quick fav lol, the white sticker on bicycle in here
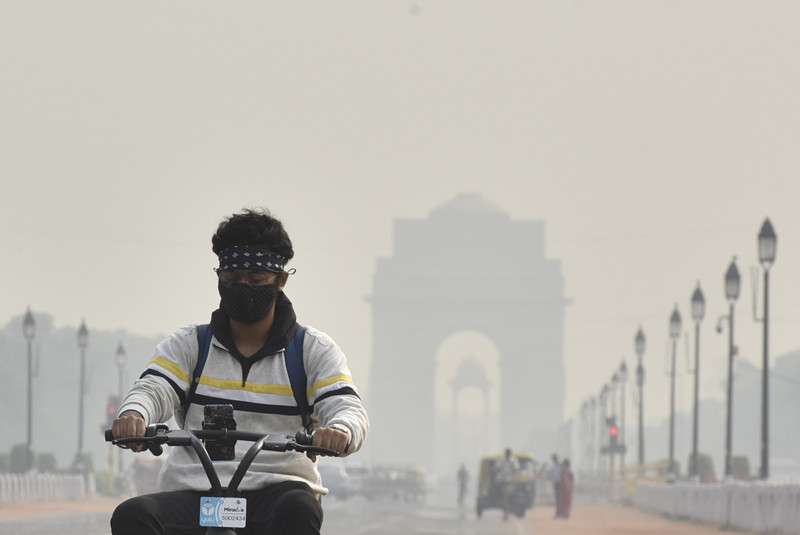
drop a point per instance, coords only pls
(223, 512)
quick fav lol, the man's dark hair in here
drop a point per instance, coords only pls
(253, 227)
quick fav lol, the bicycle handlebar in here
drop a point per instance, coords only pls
(157, 435)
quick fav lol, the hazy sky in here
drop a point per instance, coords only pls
(653, 138)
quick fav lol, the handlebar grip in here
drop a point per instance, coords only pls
(109, 435)
(302, 438)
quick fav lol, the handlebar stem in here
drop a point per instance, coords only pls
(244, 464)
(208, 466)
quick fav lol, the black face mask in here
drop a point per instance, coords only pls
(245, 303)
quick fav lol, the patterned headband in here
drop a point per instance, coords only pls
(252, 257)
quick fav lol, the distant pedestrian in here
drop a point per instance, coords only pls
(463, 483)
(565, 490)
(555, 477)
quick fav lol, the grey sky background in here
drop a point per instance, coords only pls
(652, 137)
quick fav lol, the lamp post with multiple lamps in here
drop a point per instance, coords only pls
(640, 384)
(732, 287)
(767, 242)
(83, 339)
(698, 313)
(28, 331)
(675, 333)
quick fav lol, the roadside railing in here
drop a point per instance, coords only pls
(754, 506)
(42, 487)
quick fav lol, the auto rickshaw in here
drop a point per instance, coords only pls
(490, 492)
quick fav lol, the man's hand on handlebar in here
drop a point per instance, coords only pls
(130, 424)
(333, 439)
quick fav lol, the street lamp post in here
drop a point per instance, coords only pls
(675, 333)
(83, 338)
(121, 385)
(732, 283)
(580, 461)
(121, 372)
(767, 242)
(640, 384)
(603, 399)
(614, 383)
(593, 434)
(698, 312)
(28, 331)
(612, 421)
(622, 374)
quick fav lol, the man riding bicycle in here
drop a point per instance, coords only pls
(245, 367)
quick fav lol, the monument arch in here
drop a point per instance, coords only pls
(468, 267)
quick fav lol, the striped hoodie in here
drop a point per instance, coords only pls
(259, 390)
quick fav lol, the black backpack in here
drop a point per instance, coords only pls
(293, 358)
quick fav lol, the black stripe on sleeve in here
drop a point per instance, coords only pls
(345, 391)
(181, 394)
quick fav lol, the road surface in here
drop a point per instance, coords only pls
(363, 517)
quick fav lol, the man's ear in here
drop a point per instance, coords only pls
(283, 279)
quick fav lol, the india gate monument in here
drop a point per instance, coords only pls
(467, 339)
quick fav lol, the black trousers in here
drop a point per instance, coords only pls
(288, 508)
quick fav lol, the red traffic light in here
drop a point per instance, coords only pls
(112, 406)
(613, 431)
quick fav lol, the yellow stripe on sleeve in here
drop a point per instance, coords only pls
(327, 382)
(171, 367)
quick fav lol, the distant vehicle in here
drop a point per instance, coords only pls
(413, 484)
(490, 492)
(335, 478)
(385, 482)
(360, 481)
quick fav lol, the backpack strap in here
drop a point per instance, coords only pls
(203, 344)
(293, 356)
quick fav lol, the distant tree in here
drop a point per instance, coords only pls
(82, 464)
(4, 462)
(705, 467)
(676, 467)
(20, 460)
(740, 467)
(46, 462)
